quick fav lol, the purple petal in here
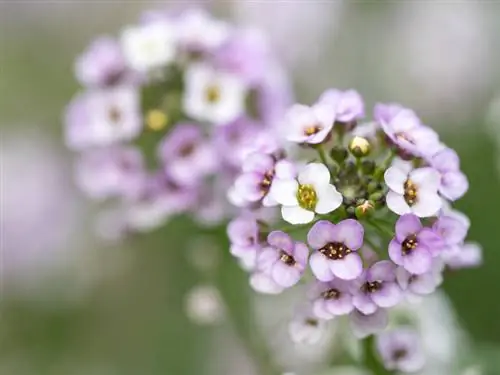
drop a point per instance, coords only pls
(320, 309)
(454, 185)
(348, 268)
(340, 306)
(349, 232)
(364, 303)
(301, 253)
(446, 160)
(264, 283)
(320, 267)
(267, 258)
(388, 296)
(243, 231)
(452, 230)
(395, 252)
(285, 275)
(248, 186)
(280, 240)
(407, 225)
(418, 261)
(431, 240)
(320, 234)
(382, 271)
(258, 162)
(365, 325)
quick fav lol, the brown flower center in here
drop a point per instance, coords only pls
(266, 182)
(187, 149)
(335, 250)
(312, 322)
(371, 286)
(115, 115)
(410, 192)
(399, 354)
(409, 244)
(286, 258)
(331, 294)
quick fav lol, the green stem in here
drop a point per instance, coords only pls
(379, 172)
(322, 154)
(370, 360)
(383, 230)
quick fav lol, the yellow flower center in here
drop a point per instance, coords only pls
(156, 120)
(212, 93)
(312, 129)
(306, 195)
(410, 192)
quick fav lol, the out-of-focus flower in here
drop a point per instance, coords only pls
(468, 255)
(331, 299)
(401, 350)
(417, 285)
(364, 325)
(306, 328)
(454, 183)
(348, 106)
(204, 305)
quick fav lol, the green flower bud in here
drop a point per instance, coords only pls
(365, 209)
(359, 147)
(368, 167)
(339, 154)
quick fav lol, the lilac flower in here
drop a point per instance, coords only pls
(454, 183)
(331, 299)
(259, 172)
(405, 130)
(468, 255)
(413, 191)
(347, 105)
(310, 193)
(451, 229)
(309, 124)
(364, 325)
(103, 117)
(426, 283)
(102, 64)
(284, 260)
(109, 172)
(243, 233)
(376, 287)
(186, 155)
(336, 247)
(305, 328)
(401, 350)
(414, 246)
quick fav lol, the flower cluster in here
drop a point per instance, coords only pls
(366, 215)
(167, 113)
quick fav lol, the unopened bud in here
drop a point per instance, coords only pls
(156, 120)
(359, 147)
(339, 154)
(364, 209)
(377, 197)
(368, 167)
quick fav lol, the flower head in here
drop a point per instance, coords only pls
(413, 191)
(364, 325)
(243, 233)
(414, 246)
(415, 286)
(401, 349)
(309, 124)
(454, 183)
(347, 105)
(331, 299)
(336, 248)
(310, 193)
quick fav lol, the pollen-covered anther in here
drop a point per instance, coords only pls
(330, 294)
(409, 244)
(287, 259)
(371, 286)
(307, 197)
(213, 93)
(410, 192)
(312, 129)
(335, 250)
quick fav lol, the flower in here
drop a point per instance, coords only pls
(263, 282)
(347, 105)
(109, 172)
(243, 233)
(305, 328)
(102, 63)
(364, 325)
(452, 230)
(400, 349)
(258, 173)
(331, 299)
(468, 255)
(309, 124)
(150, 45)
(376, 287)
(413, 191)
(336, 246)
(405, 130)
(311, 193)
(213, 95)
(199, 32)
(283, 259)
(426, 283)
(454, 183)
(103, 117)
(414, 246)
(186, 154)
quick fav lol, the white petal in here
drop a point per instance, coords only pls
(315, 174)
(329, 199)
(320, 267)
(296, 215)
(395, 179)
(397, 204)
(426, 179)
(285, 192)
(428, 204)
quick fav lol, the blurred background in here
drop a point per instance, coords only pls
(74, 303)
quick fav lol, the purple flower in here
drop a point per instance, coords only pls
(309, 124)
(420, 285)
(451, 229)
(454, 183)
(468, 255)
(186, 154)
(331, 299)
(405, 130)
(401, 350)
(102, 64)
(413, 191)
(259, 172)
(243, 233)
(376, 287)
(109, 172)
(336, 247)
(414, 246)
(364, 325)
(347, 105)
(103, 117)
(284, 260)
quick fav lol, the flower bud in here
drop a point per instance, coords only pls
(373, 186)
(377, 197)
(156, 119)
(359, 147)
(368, 167)
(364, 209)
(339, 154)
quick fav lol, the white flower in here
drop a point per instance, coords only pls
(311, 194)
(309, 124)
(199, 31)
(149, 46)
(413, 191)
(212, 95)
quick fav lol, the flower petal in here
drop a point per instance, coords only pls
(395, 252)
(364, 303)
(388, 296)
(285, 275)
(329, 199)
(320, 234)
(285, 191)
(264, 283)
(280, 240)
(395, 179)
(426, 178)
(348, 268)
(315, 174)
(296, 215)
(428, 204)
(454, 185)
(365, 325)
(258, 162)
(349, 232)
(397, 204)
(320, 309)
(418, 261)
(407, 225)
(382, 271)
(320, 267)
(301, 253)
(343, 305)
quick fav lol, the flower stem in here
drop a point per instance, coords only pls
(379, 172)
(370, 360)
(383, 230)
(322, 154)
